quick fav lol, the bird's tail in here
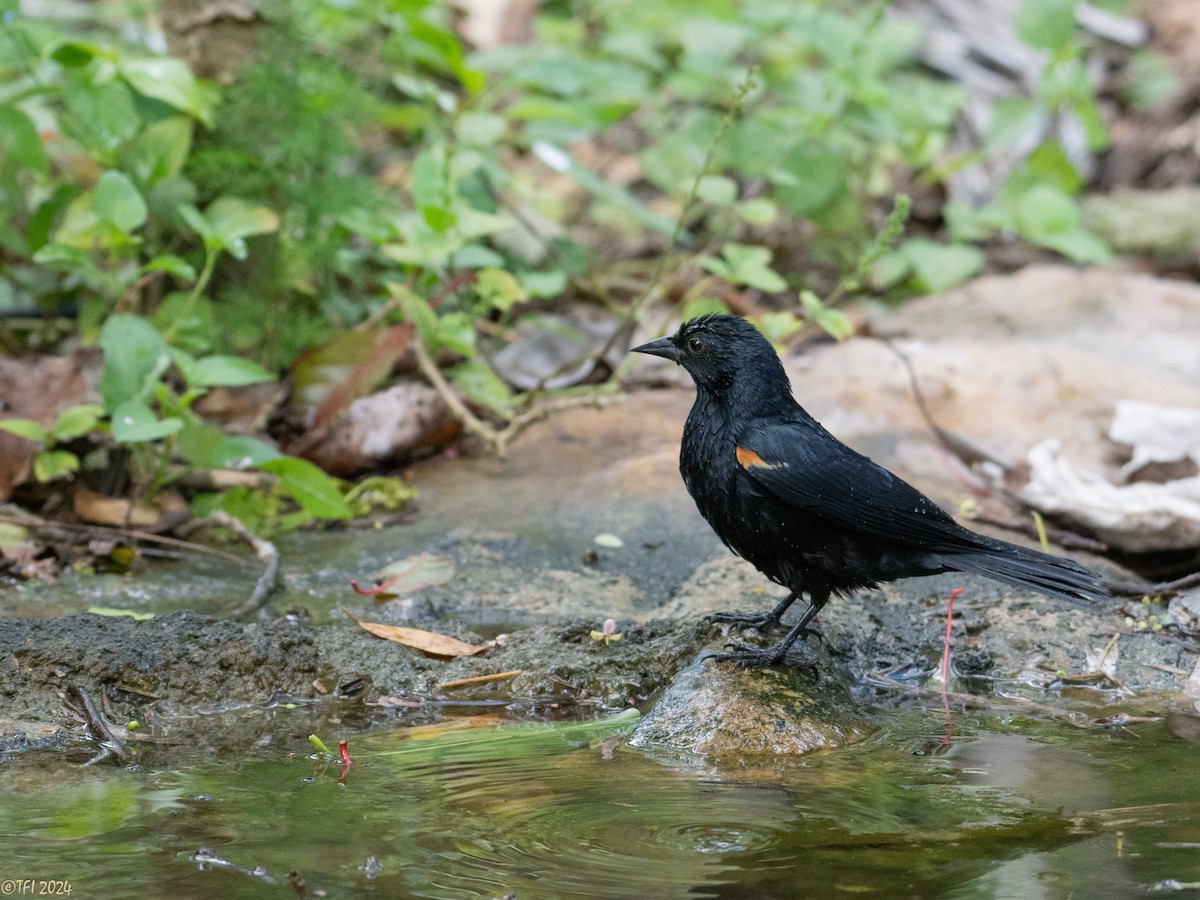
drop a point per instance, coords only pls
(1049, 575)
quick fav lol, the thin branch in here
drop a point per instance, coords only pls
(470, 421)
(266, 551)
(111, 744)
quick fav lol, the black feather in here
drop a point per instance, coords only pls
(810, 513)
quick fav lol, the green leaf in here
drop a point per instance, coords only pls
(135, 355)
(113, 612)
(172, 265)
(717, 190)
(228, 371)
(1080, 245)
(46, 216)
(171, 81)
(13, 536)
(1046, 24)
(810, 179)
(455, 333)
(241, 452)
(119, 202)
(833, 321)
(439, 218)
(427, 178)
(941, 266)
(562, 162)
(476, 256)
(316, 492)
(1013, 120)
(544, 284)
(191, 321)
(1049, 163)
(416, 310)
(889, 270)
(1150, 79)
(197, 442)
(483, 386)
(76, 421)
(19, 141)
(50, 465)
(702, 306)
(478, 129)
(184, 362)
(196, 220)
(717, 266)
(1045, 210)
(779, 326)
(746, 264)
(233, 220)
(499, 289)
(759, 211)
(26, 428)
(133, 422)
(102, 115)
(75, 54)
(161, 150)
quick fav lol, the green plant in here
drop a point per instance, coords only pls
(367, 168)
(137, 357)
(53, 462)
(1037, 200)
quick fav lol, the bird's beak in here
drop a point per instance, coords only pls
(662, 347)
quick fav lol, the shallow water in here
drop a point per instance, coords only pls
(1008, 807)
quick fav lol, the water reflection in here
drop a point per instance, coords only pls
(1009, 809)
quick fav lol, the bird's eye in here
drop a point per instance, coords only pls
(695, 345)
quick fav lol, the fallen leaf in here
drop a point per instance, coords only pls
(111, 611)
(426, 641)
(331, 376)
(409, 575)
(101, 509)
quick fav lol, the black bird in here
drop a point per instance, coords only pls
(807, 511)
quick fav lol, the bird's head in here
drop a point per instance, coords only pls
(723, 354)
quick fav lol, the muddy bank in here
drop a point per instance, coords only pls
(203, 686)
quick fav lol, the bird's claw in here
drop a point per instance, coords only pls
(747, 656)
(761, 621)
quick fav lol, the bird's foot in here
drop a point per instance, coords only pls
(761, 621)
(745, 656)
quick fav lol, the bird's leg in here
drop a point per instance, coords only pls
(763, 621)
(749, 657)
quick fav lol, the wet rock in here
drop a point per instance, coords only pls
(999, 632)
(716, 709)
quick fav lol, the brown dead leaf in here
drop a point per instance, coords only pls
(374, 429)
(426, 641)
(101, 509)
(23, 561)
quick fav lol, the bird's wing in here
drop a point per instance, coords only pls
(805, 466)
